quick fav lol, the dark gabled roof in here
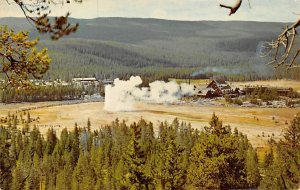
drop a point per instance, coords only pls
(218, 84)
(220, 81)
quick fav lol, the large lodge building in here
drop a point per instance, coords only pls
(220, 88)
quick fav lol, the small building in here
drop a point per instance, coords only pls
(48, 83)
(107, 82)
(251, 89)
(234, 93)
(85, 82)
(284, 91)
(207, 93)
(280, 91)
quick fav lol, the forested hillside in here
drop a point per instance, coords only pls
(152, 48)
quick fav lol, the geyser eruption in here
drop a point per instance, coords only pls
(122, 95)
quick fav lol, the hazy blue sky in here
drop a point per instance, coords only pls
(261, 10)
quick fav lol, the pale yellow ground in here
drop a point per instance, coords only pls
(242, 118)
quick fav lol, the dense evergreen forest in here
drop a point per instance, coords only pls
(160, 49)
(121, 156)
(41, 93)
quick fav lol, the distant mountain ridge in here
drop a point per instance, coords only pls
(114, 46)
(139, 29)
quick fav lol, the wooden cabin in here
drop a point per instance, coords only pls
(284, 91)
(280, 91)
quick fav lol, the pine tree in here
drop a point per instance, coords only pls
(215, 160)
(283, 171)
(253, 176)
(292, 133)
(89, 124)
(269, 159)
(28, 117)
(17, 177)
(97, 163)
(19, 174)
(216, 126)
(64, 176)
(135, 160)
(7, 161)
(64, 142)
(75, 146)
(172, 162)
(33, 180)
(207, 164)
(51, 141)
(83, 174)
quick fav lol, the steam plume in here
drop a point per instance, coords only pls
(123, 94)
(220, 70)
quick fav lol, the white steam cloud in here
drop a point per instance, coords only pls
(123, 94)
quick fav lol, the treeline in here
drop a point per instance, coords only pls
(119, 156)
(283, 73)
(40, 93)
(268, 94)
(78, 58)
(81, 58)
